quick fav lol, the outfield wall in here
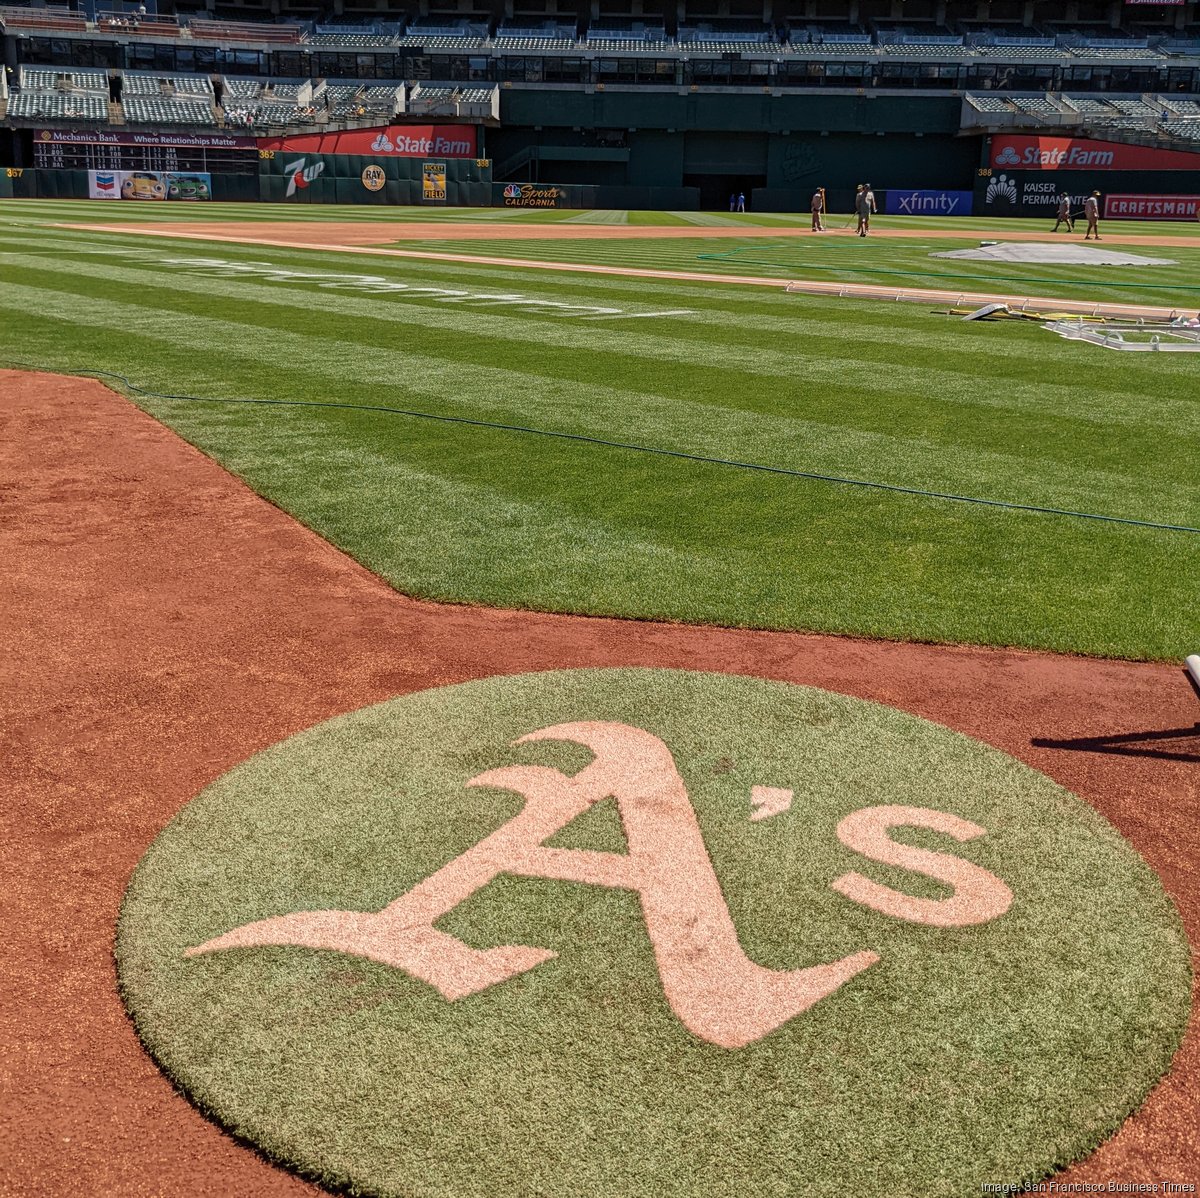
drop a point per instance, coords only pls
(684, 168)
(1025, 174)
(450, 166)
(350, 180)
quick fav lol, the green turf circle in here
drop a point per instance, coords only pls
(970, 1055)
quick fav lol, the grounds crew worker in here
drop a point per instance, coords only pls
(1064, 213)
(818, 209)
(1091, 209)
(864, 205)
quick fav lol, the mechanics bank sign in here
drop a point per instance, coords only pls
(929, 203)
(1079, 154)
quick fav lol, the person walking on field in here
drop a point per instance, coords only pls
(741, 201)
(1091, 209)
(1064, 213)
(864, 205)
(733, 201)
(818, 210)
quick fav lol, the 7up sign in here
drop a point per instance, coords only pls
(589, 932)
(300, 174)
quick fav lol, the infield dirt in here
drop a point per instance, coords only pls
(329, 233)
(352, 238)
(165, 623)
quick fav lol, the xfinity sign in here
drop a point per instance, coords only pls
(928, 203)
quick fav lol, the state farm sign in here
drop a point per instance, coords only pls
(394, 141)
(1074, 154)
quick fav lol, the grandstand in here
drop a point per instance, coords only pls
(511, 37)
(149, 83)
(354, 37)
(52, 95)
(154, 110)
(57, 106)
(705, 99)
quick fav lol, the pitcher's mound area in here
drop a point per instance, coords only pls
(645, 931)
(1045, 253)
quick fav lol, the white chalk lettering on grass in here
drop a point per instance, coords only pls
(378, 285)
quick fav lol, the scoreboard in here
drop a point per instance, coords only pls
(92, 150)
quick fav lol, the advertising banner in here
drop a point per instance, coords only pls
(300, 174)
(189, 185)
(1029, 193)
(433, 182)
(1140, 207)
(399, 141)
(928, 203)
(532, 195)
(1076, 154)
(149, 185)
(1134, 195)
(374, 178)
(105, 185)
(105, 137)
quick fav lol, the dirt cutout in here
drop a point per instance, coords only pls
(164, 623)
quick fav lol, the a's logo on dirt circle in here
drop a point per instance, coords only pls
(714, 989)
(451, 935)
(373, 178)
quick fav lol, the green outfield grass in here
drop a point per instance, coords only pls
(890, 263)
(881, 392)
(157, 213)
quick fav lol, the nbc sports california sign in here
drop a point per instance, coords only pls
(631, 932)
(531, 195)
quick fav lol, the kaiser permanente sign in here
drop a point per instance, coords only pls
(1078, 154)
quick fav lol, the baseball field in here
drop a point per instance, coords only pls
(695, 598)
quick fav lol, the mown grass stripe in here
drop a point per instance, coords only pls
(526, 521)
(746, 350)
(893, 264)
(620, 414)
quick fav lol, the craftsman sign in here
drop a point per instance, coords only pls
(1152, 207)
